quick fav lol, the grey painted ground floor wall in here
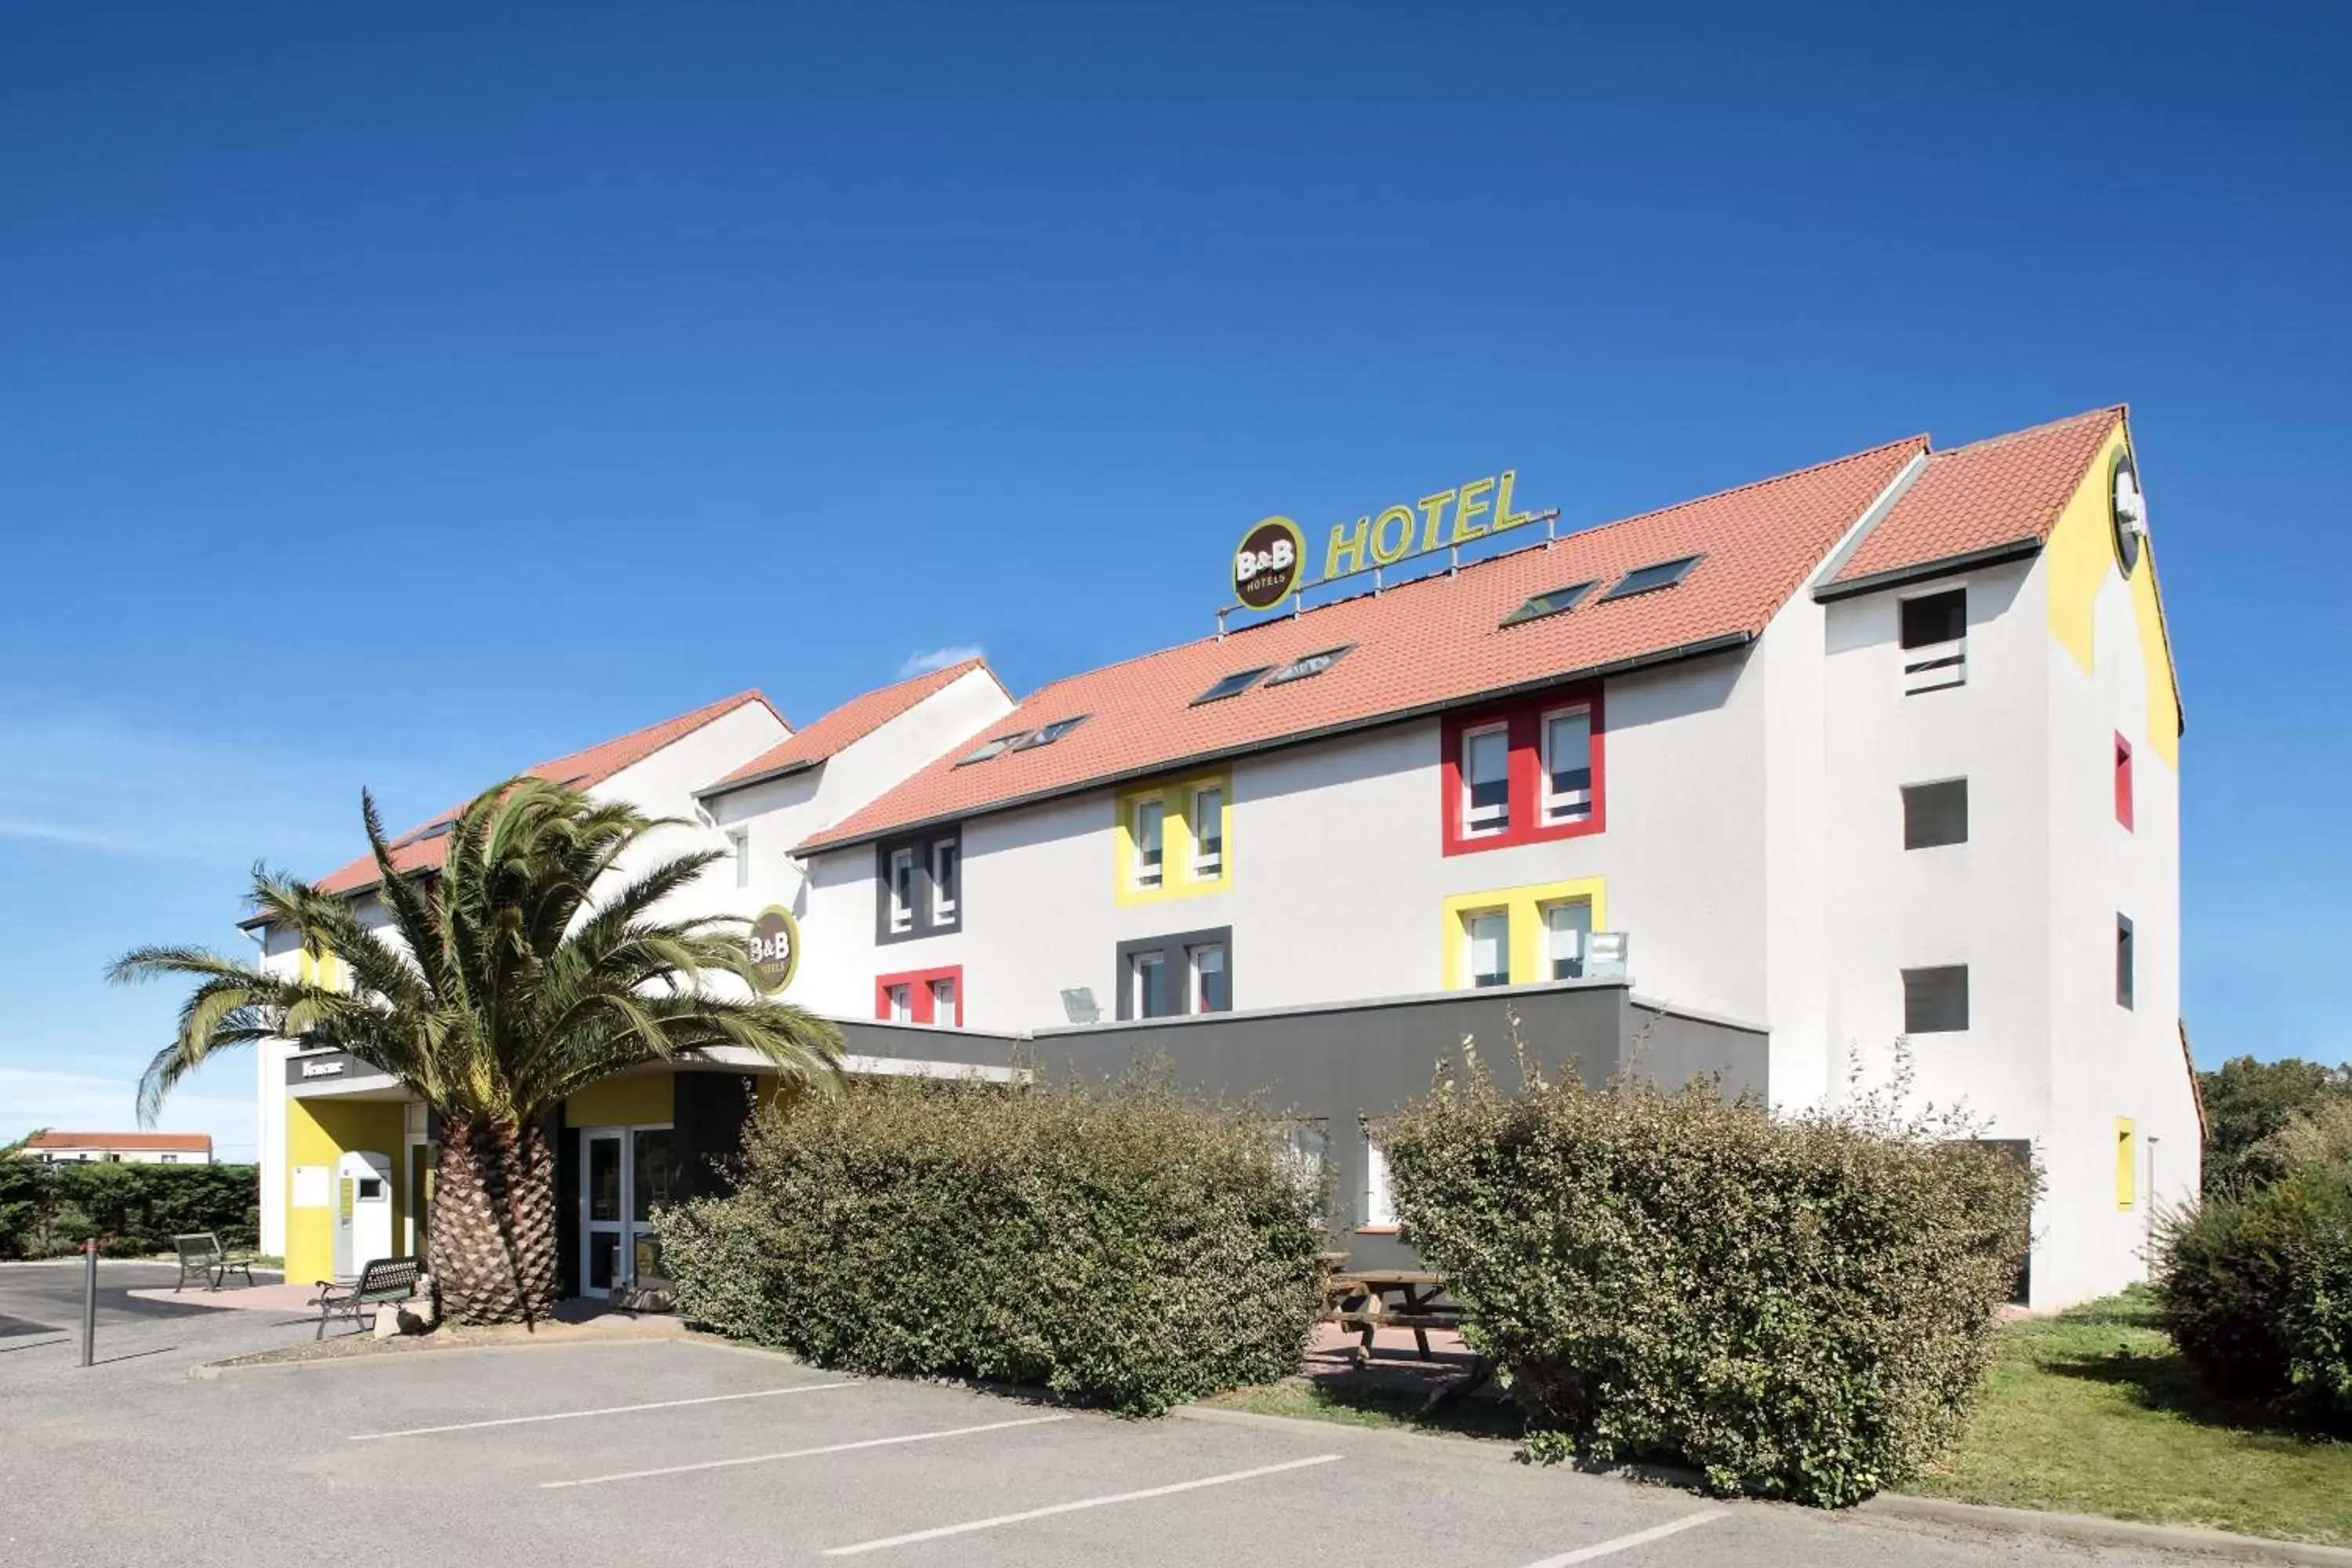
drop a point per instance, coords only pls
(1338, 1068)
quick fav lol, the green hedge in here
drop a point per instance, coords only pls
(2256, 1288)
(1800, 1308)
(133, 1209)
(1118, 1246)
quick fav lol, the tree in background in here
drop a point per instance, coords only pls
(531, 966)
(2247, 1101)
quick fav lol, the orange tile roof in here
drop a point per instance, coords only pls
(1417, 647)
(130, 1142)
(580, 770)
(852, 722)
(2007, 491)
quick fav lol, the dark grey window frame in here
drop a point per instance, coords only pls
(1926, 979)
(1916, 609)
(926, 921)
(1172, 949)
(1919, 826)
(2126, 964)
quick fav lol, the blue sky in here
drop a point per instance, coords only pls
(397, 398)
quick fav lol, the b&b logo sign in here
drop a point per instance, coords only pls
(775, 948)
(1265, 568)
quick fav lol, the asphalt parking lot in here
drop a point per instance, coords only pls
(681, 1452)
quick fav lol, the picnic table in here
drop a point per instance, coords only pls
(1369, 1299)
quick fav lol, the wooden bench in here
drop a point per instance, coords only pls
(386, 1282)
(201, 1258)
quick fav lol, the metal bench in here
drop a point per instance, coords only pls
(386, 1282)
(201, 1258)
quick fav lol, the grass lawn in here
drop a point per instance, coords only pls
(2092, 1412)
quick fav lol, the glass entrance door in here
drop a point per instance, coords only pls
(624, 1175)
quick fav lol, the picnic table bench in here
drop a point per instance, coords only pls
(386, 1282)
(1361, 1300)
(203, 1258)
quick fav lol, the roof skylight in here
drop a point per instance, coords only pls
(1308, 664)
(1047, 735)
(1551, 602)
(1649, 579)
(441, 829)
(1232, 685)
(1001, 743)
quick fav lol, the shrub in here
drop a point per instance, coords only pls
(1118, 1246)
(133, 1209)
(1799, 1307)
(2256, 1290)
(2247, 1101)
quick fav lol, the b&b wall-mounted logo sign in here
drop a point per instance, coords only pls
(775, 948)
(1271, 563)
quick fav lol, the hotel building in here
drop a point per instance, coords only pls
(1879, 755)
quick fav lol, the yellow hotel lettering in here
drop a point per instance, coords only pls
(1384, 538)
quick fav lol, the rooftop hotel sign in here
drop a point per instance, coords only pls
(1270, 561)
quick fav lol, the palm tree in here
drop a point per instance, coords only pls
(530, 967)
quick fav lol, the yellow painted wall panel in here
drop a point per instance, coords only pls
(320, 1132)
(630, 1099)
(2080, 557)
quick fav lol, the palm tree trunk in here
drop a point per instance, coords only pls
(492, 1243)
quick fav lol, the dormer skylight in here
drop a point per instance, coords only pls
(993, 748)
(1649, 579)
(1299, 668)
(1551, 602)
(1232, 685)
(441, 829)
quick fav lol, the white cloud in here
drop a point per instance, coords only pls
(89, 1102)
(939, 658)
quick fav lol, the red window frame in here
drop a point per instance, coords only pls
(922, 1007)
(1523, 822)
(2124, 782)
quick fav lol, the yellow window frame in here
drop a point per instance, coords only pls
(1525, 906)
(1177, 878)
(2126, 1164)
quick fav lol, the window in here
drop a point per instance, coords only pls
(1147, 978)
(945, 855)
(1489, 932)
(1208, 832)
(1935, 814)
(2122, 782)
(168, 1159)
(1525, 936)
(932, 996)
(1232, 685)
(2126, 1164)
(1379, 1202)
(1172, 839)
(1485, 781)
(1555, 601)
(1047, 735)
(1935, 640)
(1567, 765)
(902, 889)
(1566, 925)
(1151, 819)
(920, 885)
(1649, 579)
(1209, 992)
(990, 749)
(1169, 976)
(1524, 772)
(1936, 1001)
(739, 843)
(2124, 977)
(1299, 668)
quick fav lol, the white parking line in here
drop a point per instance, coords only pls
(803, 1453)
(1639, 1538)
(607, 1410)
(1073, 1507)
